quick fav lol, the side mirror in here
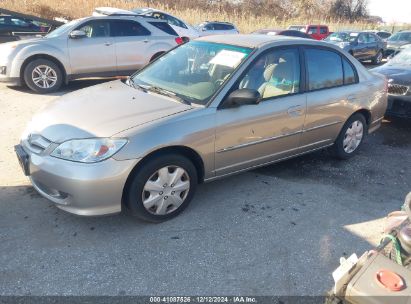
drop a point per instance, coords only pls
(78, 34)
(242, 97)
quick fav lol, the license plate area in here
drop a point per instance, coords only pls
(24, 159)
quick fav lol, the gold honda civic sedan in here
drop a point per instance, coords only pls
(210, 108)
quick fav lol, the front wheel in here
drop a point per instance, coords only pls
(43, 76)
(162, 188)
(351, 137)
(378, 58)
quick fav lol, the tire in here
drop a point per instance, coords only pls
(37, 69)
(344, 148)
(378, 58)
(164, 202)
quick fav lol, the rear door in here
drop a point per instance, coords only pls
(94, 54)
(360, 49)
(328, 97)
(372, 45)
(132, 43)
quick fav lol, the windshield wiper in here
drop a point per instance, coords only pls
(165, 92)
(161, 91)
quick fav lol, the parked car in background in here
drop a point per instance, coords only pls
(94, 46)
(212, 107)
(318, 32)
(290, 33)
(361, 45)
(216, 28)
(181, 27)
(10, 24)
(384, 35)
(398, 72)
(396, 41)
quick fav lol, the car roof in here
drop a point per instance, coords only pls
(128, 17)
(256, 40)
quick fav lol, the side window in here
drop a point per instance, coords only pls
(324, 69)
(371, 38)
(209, 27)
(362, 38)
(227, 27)
(219, 27)
(128, 28)
(95, 29)
(349, 74)
(312, 30)
(273, 74)
(323, 30)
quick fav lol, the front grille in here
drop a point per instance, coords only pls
(397, 89)
(36, 143)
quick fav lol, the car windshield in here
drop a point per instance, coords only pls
(402, 58)
(342, 37)
(193, 72)
(61, 29)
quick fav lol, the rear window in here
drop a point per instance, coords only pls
(312, 30)
(165, 27)
(222, 27)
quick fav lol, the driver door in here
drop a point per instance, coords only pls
(94, 53)
(250, 135)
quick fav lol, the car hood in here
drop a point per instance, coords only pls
(399, 75)
(101, 111)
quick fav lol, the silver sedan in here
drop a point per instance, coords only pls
(207, 109)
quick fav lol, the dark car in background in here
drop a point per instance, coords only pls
(398, 73)
(290, 33)
(396, 41)
(10, 24)
(362, 45)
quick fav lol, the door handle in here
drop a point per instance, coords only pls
(145, 41)
(295, 111)
(107, 43)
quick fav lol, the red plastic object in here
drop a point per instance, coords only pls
(390, 280)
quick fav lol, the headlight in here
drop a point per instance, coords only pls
(88, 150)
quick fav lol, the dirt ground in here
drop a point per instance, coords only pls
(278, 230)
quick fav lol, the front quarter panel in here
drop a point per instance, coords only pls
(56, 47)
(194, 129)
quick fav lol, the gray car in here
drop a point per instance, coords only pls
(208, 109)
(100, 46)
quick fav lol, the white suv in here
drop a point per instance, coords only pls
(97, 46)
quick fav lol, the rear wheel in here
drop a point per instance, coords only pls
(351, 137)
(162, 188)
(43, 76)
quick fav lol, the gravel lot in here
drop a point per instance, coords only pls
(278, 230)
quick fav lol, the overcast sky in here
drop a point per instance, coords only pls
(391, 10)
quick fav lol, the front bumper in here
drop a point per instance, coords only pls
(82, 189)
(399, 106)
